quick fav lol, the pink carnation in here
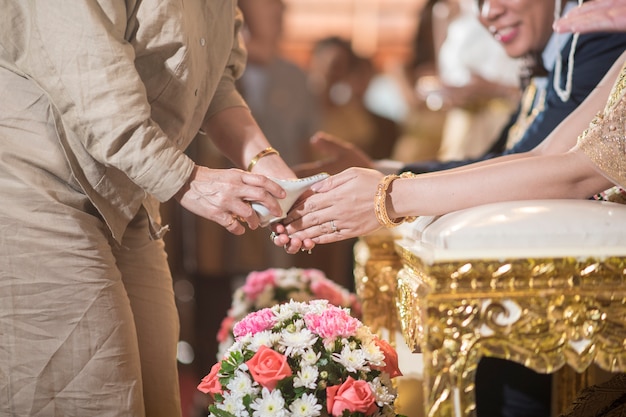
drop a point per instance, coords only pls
(255, 322)
(257, 281)
(331, 323)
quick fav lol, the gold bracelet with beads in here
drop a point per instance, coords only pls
(380, 202)
(264, 152)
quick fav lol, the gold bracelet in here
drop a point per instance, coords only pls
(264, 152)
(380, 202)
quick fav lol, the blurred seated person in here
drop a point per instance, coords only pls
(478, 84)
(275, 88)
(392, 93)
(339, 78)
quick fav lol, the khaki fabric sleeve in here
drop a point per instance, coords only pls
(76, 52)
(226, 94)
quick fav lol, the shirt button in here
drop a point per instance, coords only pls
(202, 42)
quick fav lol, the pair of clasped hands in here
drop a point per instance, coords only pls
(332, 208)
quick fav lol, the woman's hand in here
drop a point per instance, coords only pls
(338, 208)
(594, 16)
(224, 196)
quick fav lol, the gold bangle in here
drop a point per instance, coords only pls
(264, 152)
(380, 202)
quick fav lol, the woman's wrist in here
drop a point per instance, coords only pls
(382, 200)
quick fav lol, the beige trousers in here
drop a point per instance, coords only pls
(88, 327)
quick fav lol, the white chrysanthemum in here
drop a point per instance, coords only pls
(307, 406)
(318, 306)
(310, 357)
(352, 360)
(265, 298)
(383, 394)
(241, 342)
(306, 377)
(299, 324)
(271, 404)
(286, 311)
(233, 404)
(296, 342)
(373, 354)
(242, 384)
(264, 338)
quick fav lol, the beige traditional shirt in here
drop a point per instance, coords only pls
(130, 84)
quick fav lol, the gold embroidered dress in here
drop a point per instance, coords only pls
(604, 142)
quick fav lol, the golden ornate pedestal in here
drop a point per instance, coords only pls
(457, 302)
(375, 271)
(542, 313)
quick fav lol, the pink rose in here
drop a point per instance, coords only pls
(267, 367)
(327, 290)
(211, 383)
(353, 395)
(391, 358)
(256, 281)
(225, 328)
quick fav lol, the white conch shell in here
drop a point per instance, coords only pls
(294, 188)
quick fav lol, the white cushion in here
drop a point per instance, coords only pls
(520, 229)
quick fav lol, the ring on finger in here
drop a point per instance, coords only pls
(273, 236)
(232, 220)
(333, 226)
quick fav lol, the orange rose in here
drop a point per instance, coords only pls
(353, 395)
(391, 358)
(211, 384)
(267, 367)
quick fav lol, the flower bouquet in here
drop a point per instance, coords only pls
(273, 286)
(303, 360)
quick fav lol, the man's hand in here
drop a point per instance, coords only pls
(224, 196)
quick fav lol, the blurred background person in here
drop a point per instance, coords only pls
(393, 93)
(275, 87)
(478, 83)
(339, 79)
